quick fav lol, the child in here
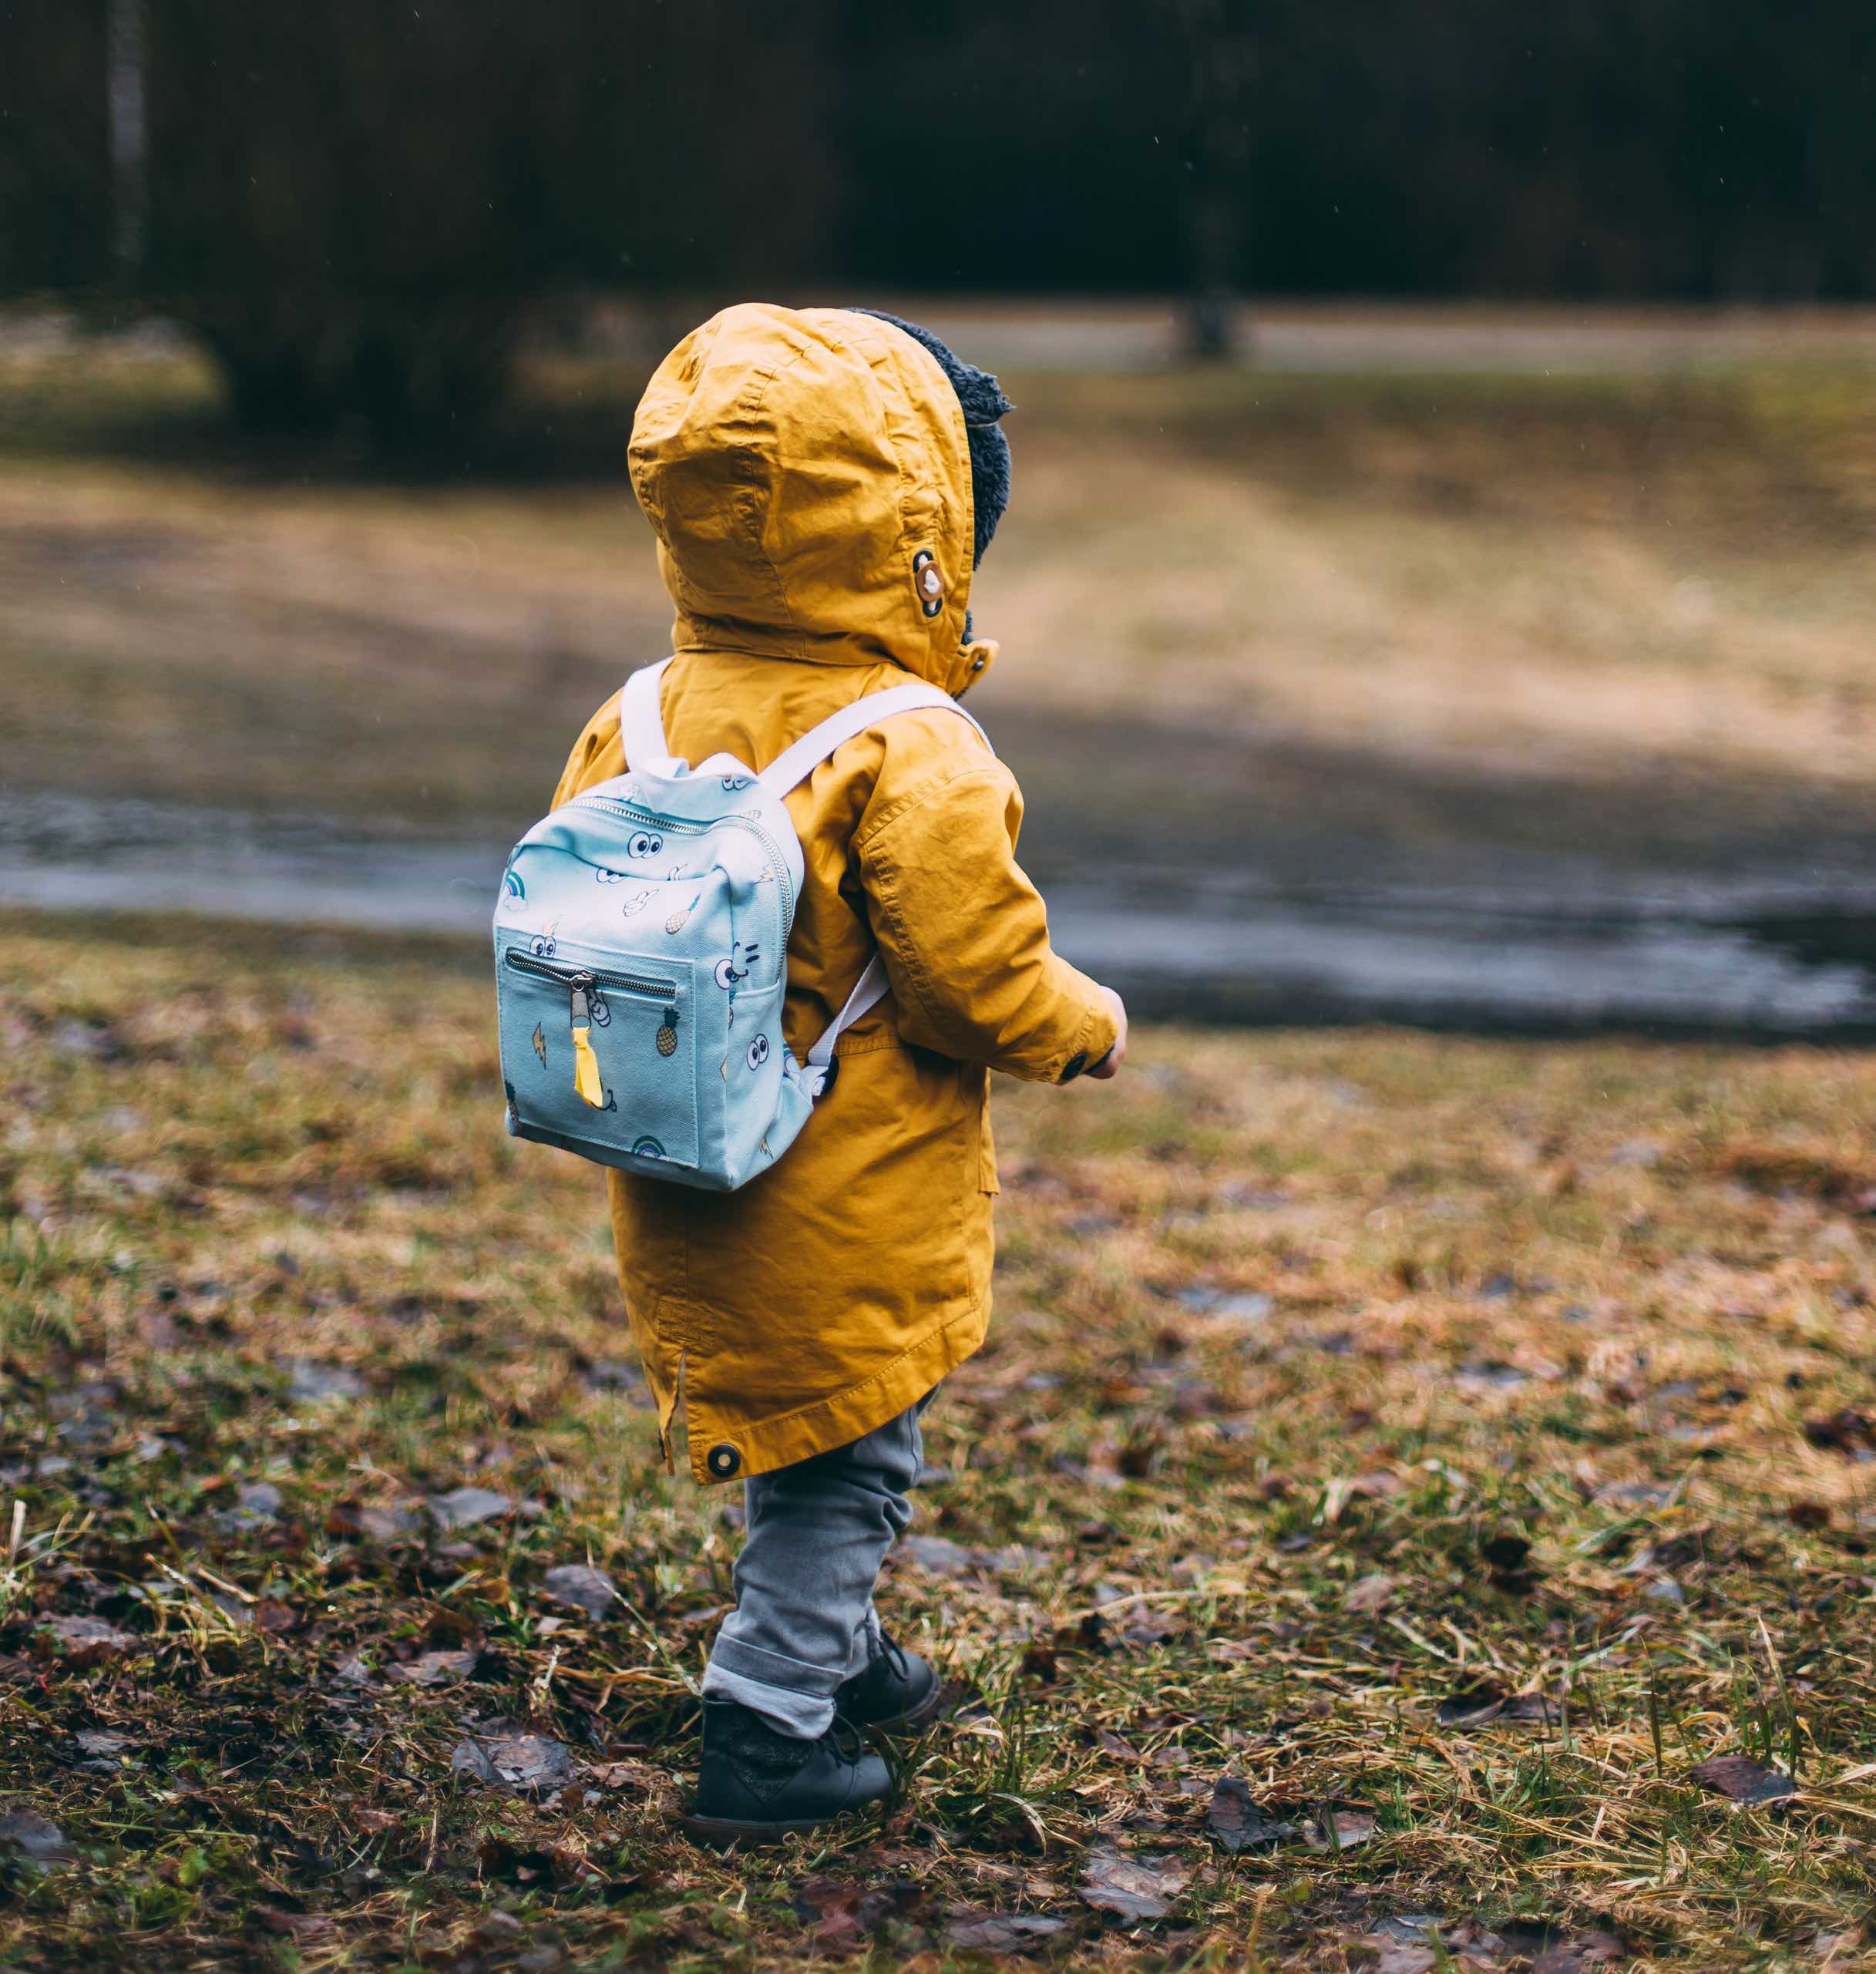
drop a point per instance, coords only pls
(822, 483)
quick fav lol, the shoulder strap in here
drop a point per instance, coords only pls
(642, 730)
(641, 720)
(818, 1071)
(796, 763)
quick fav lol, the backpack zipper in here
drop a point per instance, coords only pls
(585, 978)
(585, 1004)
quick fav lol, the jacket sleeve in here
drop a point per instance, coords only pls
(965, 935)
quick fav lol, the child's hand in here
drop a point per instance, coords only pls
(1109, 1064)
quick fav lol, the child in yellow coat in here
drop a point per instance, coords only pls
(822, 483)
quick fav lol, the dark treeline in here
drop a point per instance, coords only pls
(353, 202)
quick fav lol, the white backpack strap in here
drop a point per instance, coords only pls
(641, 720)
(796, 764)
(818, 1071)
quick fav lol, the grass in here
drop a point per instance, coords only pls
(1651, 583)
(1343, 1389)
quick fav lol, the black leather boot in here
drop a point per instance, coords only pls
(897, 1694)
(757, 1784)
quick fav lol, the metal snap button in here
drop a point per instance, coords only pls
(929, 581)
(723, 1460)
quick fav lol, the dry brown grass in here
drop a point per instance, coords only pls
(1602, 577)
(1341, 1387)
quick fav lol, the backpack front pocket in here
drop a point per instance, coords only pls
(603, 1056)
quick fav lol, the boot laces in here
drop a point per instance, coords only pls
(849, 1743)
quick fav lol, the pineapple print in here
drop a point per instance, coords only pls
(668, 1033)
(675, 922)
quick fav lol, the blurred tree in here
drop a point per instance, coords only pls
(355, 204)
(126, 82)
(54, 171)
(1218, 53)
(358, 203)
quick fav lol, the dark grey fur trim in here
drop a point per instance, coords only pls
(983, 404)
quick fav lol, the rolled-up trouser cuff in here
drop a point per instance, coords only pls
(817, 1534)
(806, 1716)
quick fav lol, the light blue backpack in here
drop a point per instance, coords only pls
(640, 956)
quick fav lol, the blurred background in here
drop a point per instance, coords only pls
(1439, 583)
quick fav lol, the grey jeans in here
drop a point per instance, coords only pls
(815, 1536)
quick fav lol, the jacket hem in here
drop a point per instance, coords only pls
(850, 1414)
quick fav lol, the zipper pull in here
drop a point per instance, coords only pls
(586, 1063)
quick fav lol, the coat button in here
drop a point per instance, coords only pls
(1075, 1065)
(723, 1460)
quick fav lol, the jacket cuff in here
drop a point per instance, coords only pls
(1094, 1040)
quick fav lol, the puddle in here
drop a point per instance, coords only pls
(1664, 953)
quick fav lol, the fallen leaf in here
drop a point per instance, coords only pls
(1369, 1594)
(41, 1843)
(311, 1382)
(1744, 1780)
(463, 1508)
(1238, 1822)
(581, 1585)
(1146, 1625)
(528, 1763)
(1505, 1549)
(1846, 1431)
(1001, 1932)
(622, 1775)
(516, 1861)
(100, 1743)
(394, 1524)
(1471, 1706)
(934, 1555)
(1572, 1956)
(1137, 1888)
(434, 1669)
(306, 1927)
(843, 1914)
(1376, 1954)
(1345, 1829)
(1633, 1494)
(83, 1641)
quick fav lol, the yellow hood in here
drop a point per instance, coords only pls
(795, 464)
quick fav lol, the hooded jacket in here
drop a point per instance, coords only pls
(803, 472)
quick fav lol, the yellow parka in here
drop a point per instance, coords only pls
(793, 464)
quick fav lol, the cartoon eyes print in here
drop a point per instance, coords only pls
(645, 843)
(541, 945)
(734, 785)
(602, 876)
(758, 1052)
(728, 972)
